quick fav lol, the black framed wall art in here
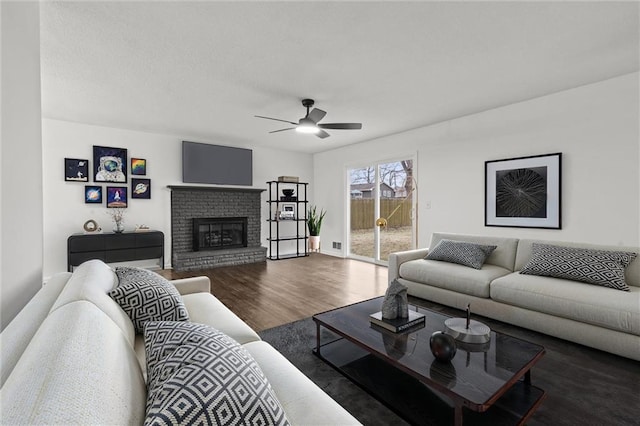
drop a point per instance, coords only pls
(116, 196)
(138, 166)
(92, 194)
(141, 188)
(524, 192)
(109, 164)
(76, 170)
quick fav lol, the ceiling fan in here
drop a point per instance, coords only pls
(309, 123)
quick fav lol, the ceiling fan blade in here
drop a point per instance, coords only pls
(322, 134)
(282, 130)
(341, 126)
(276, 119)
(316, 115)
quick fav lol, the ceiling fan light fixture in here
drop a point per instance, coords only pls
(307, 126)
(309, 123)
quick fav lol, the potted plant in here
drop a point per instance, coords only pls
(314, 223)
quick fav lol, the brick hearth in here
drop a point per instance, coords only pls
(189, 202)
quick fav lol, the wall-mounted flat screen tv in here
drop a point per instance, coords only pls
(216, 164)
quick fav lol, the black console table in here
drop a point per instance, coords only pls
(111, 247)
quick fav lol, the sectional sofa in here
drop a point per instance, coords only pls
(592, 315)
(72, 356)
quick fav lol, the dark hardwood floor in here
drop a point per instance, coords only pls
(277, 292)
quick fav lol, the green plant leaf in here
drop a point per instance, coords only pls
(314, 220)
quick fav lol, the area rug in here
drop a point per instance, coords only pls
(296, 341)
(584, 386)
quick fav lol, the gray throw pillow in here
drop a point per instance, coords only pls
(461, 252)
(199, 375)
(599, 267)
(146, 296)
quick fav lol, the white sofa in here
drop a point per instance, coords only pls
(71, 356)
(591, 315)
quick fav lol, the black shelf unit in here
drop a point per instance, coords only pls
(283, 229)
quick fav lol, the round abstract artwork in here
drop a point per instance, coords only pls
(521, 193)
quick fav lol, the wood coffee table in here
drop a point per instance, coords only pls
(487, 384)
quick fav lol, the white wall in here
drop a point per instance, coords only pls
(65, 211)
(596, 127)
(20, 158)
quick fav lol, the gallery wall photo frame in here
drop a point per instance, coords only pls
(141, 188)
(117, 197)
(92, 194)
(524, 192)
(287, 212)
(109, 164)
(76, 170)
(138, 166)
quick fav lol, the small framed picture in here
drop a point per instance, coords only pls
(92, 194)
(141, 188)
(288, 212)
(109, 164)
(138, 166)
(116, 196)
(76, 170)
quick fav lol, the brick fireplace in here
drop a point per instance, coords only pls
(215, 226)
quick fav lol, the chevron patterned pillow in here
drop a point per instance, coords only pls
(199, 375)
(146, 296)
(461, 252)
(599, 267)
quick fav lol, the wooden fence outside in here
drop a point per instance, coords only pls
(363, 212)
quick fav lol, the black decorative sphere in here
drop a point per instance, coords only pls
(443, 346)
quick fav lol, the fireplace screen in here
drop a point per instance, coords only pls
(219, 233)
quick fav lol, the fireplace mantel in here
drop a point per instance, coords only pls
(214, 188)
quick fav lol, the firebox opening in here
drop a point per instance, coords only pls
(219, 233)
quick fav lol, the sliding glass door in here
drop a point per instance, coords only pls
(381, 213)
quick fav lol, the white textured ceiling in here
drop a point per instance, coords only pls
(202, 70)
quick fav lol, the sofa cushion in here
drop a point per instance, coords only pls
(91, 281)
(198, 375)
(452, 276)
(17, 335)
(504, 255)
(204, 308)
(128, 274)
(632, 273)
(149, 301)
(601, 306)
(599, 267)
(463, 253)
(79, 369)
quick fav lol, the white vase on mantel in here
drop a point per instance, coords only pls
(314, 243)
